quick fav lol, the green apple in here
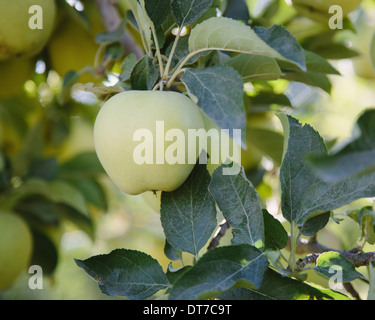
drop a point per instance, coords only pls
(318, 10)
(16, 37)
(15, 248)
(141, 139)
(13, 74)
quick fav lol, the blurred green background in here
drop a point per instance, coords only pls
(46, 124)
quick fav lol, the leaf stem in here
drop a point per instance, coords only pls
(158, 54)
(165, 76)
(293, 246)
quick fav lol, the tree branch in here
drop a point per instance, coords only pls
(112, 20)
(314, 248)
(223, 227)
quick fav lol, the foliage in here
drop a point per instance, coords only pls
(235, 69)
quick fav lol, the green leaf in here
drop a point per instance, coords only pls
(172, 253)
(219, 270)
(157, 11)
(312, 79)
(239, 202)
(268, 142)
(92, 191)
(83, 165)
(275, 235)
(357, 156)
(128, 273)
(314, 64)
(111, 36)
(314, 224)
(226, 34)
(173, 274)
(45, 253)
(219, 91)
(144, 23)
(254, 67)
(187, 11)
(330, 263)
(279, 38)
(277, 287)
(144, 75)
(5, 171)
(303, 193)
(188, 214)
(366, 221)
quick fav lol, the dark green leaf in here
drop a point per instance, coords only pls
(173, 274)
(355, 157)
(5, 171)
(157, 11)
(187, 11)
(314, 224)
(219, 270)
(219, 91)
(92, 191)
(188, 214)
(303, 192)
(127, 66)
(312, 79)
(240, 205)
(276, 287)
(275, 235)
(43, 168)
(171, 253)
(331, 263)
(314, 64)
(83, 165)
(144, 74)
(280, 39)
(45, 253)
(128, 273)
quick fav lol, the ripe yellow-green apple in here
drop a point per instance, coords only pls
(15, 249)
(13, 74)
(16, 37)
(141, 139)
(318, 10)
(225, 149)
(73, 46)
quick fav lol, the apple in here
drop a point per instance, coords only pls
(141, 139)
(73, 48)
(318, 10)
(15, 249)
(13, 74)
(16, 37)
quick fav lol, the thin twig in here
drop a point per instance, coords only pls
(223, 227)
(314, 248)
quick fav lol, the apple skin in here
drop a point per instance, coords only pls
(318, 9)
(16, 38)
(13, 74)
(15, 249)
(121, 116)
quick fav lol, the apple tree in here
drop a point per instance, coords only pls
(231, 65)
